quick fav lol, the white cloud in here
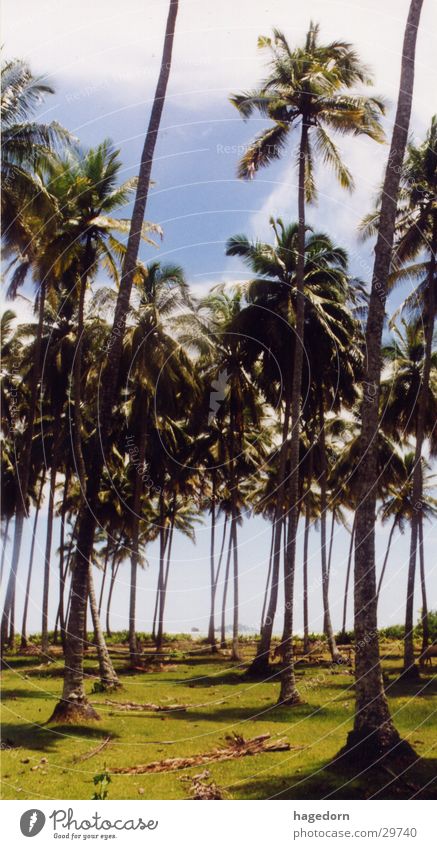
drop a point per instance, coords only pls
(118, 45)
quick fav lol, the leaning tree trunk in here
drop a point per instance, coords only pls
(335, 656)
(163, 594)
(374, 735)
(424, 617)
(49, 535)
(23, 473)
(114, 570)
(23, 643)
(410, 670)
(348, 573)
(225, 593)
(74, 703)
(259, 668)
(236, 608)
(268, 580)
(211, 625)
(5, 542)
(306, 636)
(288, 693)
(138, 490)
(108, 676)
(387, 552)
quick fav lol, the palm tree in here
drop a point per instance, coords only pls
(309, 88)
(74, 702)
(407, 414)
(154, 359)
(374, 735)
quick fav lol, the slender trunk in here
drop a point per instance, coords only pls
(5, 542)
(306, 636)
(114, 570)
(163, 594)
(410, 669)
(60, 615)
(425, 622)
(269, 573)
(225, 593)
(30, 567)
(348, 573)
(211, 625)
(331, 543)
(260, 664)
(105, 572)
(384, 565)
(77, 367)
(235, 647)
(108, 676)
(74, 703)
(23, 472)
(288, 692)
(323, 510)
(135, 553)
(374, 734)
(49, 534)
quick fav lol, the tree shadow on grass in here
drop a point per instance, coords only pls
(46, 738)
(329, 782)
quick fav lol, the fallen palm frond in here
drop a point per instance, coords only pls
(200, 788)
(237, 747)
(87, 755)
(142, 707)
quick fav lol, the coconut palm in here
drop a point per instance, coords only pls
(308, 88)
(73, 700)
(374, 735)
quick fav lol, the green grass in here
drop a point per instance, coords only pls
(40, 760)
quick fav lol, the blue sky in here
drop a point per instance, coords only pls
(103, 60)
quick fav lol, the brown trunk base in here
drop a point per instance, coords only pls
(74, 711)
(293, 700)
(370, 747)
(259, 669)
(412, 673)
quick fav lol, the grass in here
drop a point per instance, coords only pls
(41, 760)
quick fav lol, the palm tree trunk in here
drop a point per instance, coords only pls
(306, 637)
(267, 587)
(60, 615)
(374, 734)
(5, 542)
(410, 669)
(225, 593)
(163, 594)
(23, 473)
(74, 703)
(288, 692)
(259, 667)
(348, 573)
(114, 570)
(384, 565)
(108, 676)
(139, 472)
(211, 625)
(105, 572)
(23, 644)
(425, 622)
(236, 609)
(323, 511)
(49, 536)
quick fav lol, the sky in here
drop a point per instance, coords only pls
(103, 60)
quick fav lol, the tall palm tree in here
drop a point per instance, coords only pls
(74, 702)
(154, 360)
(374, 735)
(308, 88)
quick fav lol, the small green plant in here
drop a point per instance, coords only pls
(101, 783)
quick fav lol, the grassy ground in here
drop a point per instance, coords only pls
(41, 760)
